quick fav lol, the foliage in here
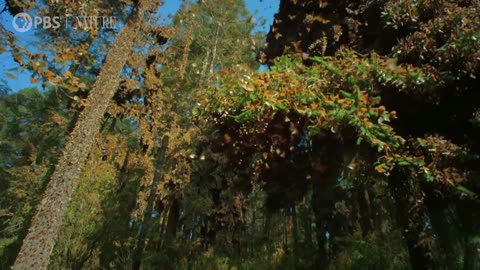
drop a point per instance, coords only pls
(357, 149)
(337, 95)
(32, 131)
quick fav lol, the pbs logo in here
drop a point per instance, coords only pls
(22, 22)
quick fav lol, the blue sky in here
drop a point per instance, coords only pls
(262, 10)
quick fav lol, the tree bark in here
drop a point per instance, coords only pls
(40, 240)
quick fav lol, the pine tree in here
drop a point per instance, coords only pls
(39, 242)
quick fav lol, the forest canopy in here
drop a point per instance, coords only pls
(345, 137)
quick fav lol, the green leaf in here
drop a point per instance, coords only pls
(404, 163)
(466, 190)
(345, 94)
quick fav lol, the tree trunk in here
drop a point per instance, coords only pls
(147, 215)
(363, 210)
(308, 231)
(40, 240)
(412, 215)
(323, 201)
(285, 235)
(267, 228)
(162, 228)
(214, 52)
(321, 217)
(173, 216)
(296, 246)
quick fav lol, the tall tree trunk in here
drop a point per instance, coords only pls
(147, 215)
(412, 215)
(214, 52)
(267, 228)
(363, 210)
(322, 207)
(286, 229)
(40, 240)
(296, 245)
(323, 199)
(172, 223)
(307, 230)
(162, 228)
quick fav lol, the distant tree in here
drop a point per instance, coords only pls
(207, 33)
